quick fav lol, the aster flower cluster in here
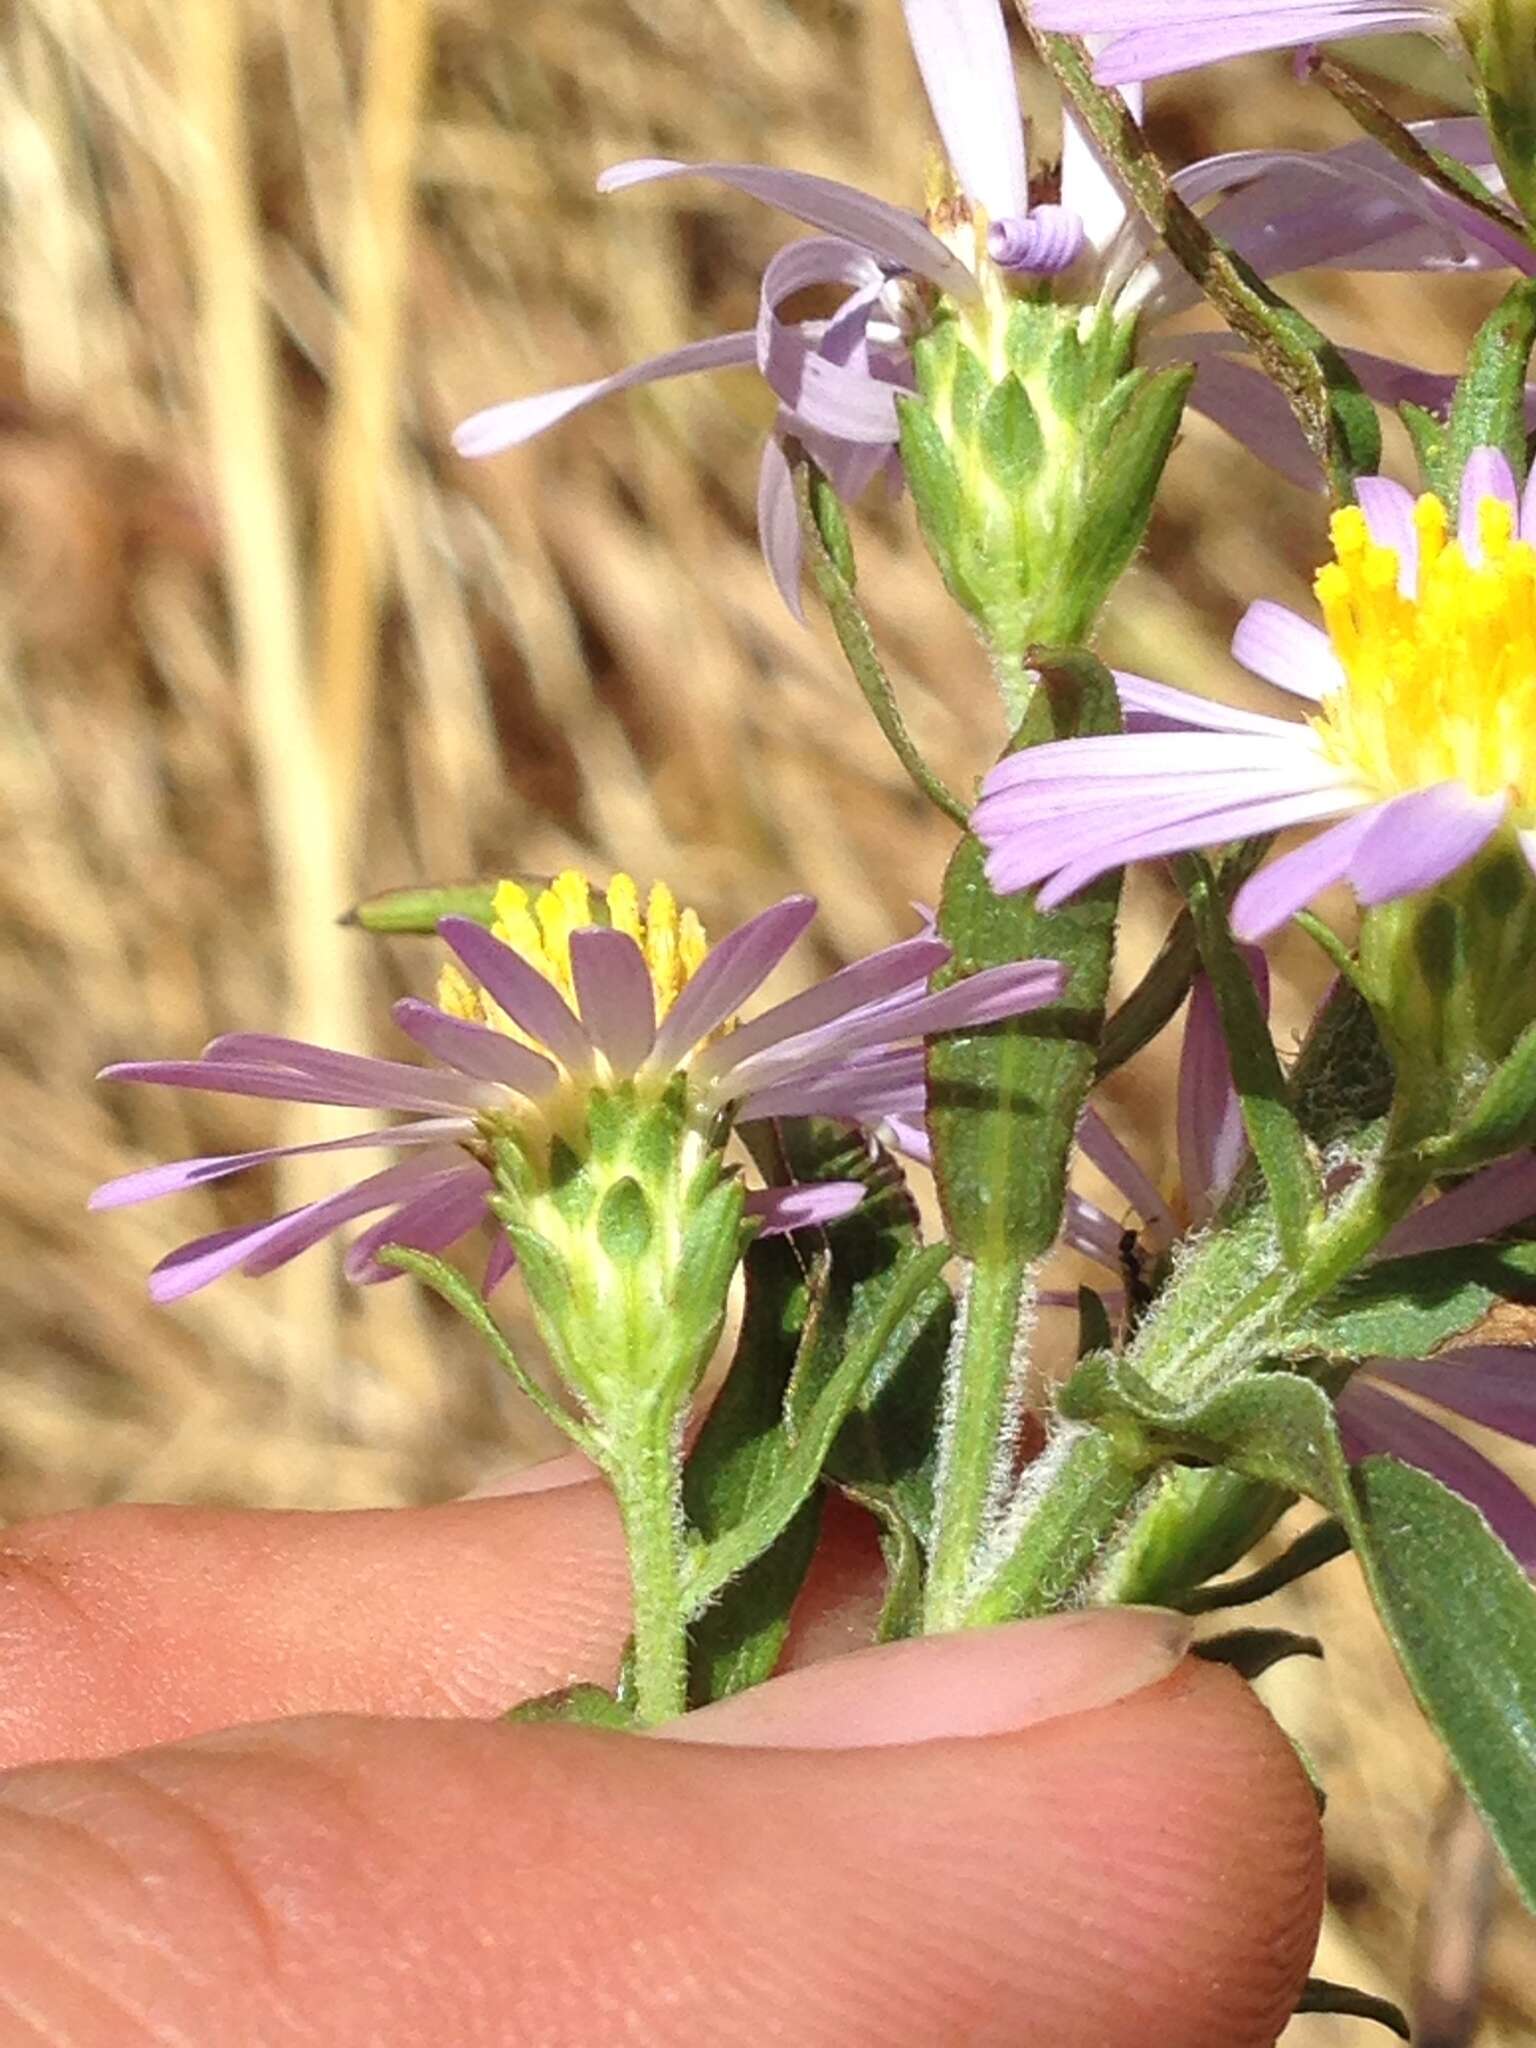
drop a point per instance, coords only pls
(1302, 1312)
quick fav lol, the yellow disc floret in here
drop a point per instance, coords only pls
(537, 925)
(1441, 685)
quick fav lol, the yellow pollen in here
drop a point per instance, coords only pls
(537, 925)
(1440, 686)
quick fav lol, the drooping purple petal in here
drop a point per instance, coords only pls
(961, 47)
(840, 398)
(1490, 1384)
(430, 1222)
(1486, 1203)
(1371, 1420)
(614, 993)
(872, 980)
(1388, 510)
(1040, 244)
(1487, 474)
(475, 1048)
(1157, 52)
(1284, 886)
(177, 1176)
(1273, 642)
(262, 1247)
(802, 1208)
(890, 233)
(1213, 1141)
(731, 972)
(1250, 407)
(521, 419)
(1419, 839)
(1124, 1171)
(778, 526)
(534, 1004)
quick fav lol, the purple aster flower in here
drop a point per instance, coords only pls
(836, 380)
(547, 1008)
(1142, 39)
(1415, 748)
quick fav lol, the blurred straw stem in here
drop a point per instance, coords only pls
(240, 394)
(361, 456)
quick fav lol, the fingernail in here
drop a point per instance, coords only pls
(572, 1468)
(982, 1682)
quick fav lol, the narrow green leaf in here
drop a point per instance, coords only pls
(1004, 1099)
(906, 1305)
(1488, 410)
(451, 1286)
(1407, 1308)
(1503, 1118)
(831, 571)
(1276, 1136)
(418, 910)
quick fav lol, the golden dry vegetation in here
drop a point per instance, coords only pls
(265, 647)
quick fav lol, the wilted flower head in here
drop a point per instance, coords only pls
(561, 1006)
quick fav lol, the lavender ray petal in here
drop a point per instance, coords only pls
(802, 1208)
(1212, 828)
(1085, 1228)
(1487, 474)
(1108, 757)
(892, 970)
(475, 1049)
(1149, 53)
(961, 47)
(1275, 894)
(1249, 406)
(1098, 1143)
(534, 1004)
(1273, 642)
(1088, 186)
(893, 1083)
(437, 1095)
(1388, 510)
(1419, 839)
(732, 971)
(322, 1063)
(1212, 1139)
(521, 419)
(843, 399)
(151, 1183)
(499, 1261)
(778, 526)
(1158, 707)
(890, 233)
(431, 1222)
(205, 1259)
(1486, 1203)
(614, 992)
(1372, 1421)
(1493, 1385)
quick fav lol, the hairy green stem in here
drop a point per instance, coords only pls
(981, 1406)
(644, 1470)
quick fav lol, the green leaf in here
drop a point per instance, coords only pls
(1460, 1611)
(1408, 1308)
(1319, 1995)
(905, 1308)
(1004, 1099)
(1278, 1143)
(418, 910)
(1488, 410)
(829, 556)
(587, 1706)
(1503, 1118)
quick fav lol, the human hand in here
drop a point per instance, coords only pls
(1061, 1832)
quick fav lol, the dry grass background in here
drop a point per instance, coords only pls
(266, 647)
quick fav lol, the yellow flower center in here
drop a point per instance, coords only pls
(1440, 687)
(538, 927)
